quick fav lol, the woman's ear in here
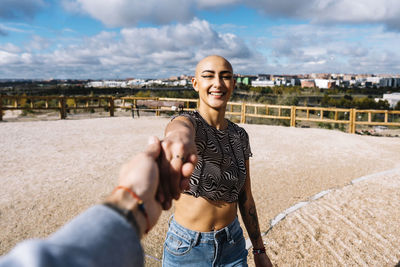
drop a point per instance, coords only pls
(194, 83)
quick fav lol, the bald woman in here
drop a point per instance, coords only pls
(204, 230)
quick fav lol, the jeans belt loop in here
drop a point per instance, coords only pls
(170, 219)
(197, 238)
(228, 235)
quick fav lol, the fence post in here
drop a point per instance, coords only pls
(1, 108)
(386, 116)
(243, 113)
(111, 106)
(293, 116)
(352, 125)
(63, 112)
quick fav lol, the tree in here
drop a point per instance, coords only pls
(397, 107)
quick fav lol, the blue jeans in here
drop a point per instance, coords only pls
(225, 247)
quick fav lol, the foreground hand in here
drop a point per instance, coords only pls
(141, 175)
(262, 260)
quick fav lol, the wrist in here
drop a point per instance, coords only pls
(259, 251)
(121, 199)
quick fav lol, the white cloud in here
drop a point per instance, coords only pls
(11, 48)
(311, 48)
(6, 29)
(125, 13)
(117, 13)
(37, 43)
(206, 4)
(138, 52)
(386, 12)
(7, 58)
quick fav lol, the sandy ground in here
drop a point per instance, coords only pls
(52, 170)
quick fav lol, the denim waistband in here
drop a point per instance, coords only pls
(227, 233)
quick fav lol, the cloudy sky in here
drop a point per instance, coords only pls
(102, 39)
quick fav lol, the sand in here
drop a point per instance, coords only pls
(50, 171)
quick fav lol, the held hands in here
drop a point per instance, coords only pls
(142, 174)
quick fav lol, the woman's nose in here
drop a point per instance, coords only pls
(217, 82)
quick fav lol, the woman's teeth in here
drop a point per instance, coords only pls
(216, 94)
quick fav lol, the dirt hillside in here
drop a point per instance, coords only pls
(52, 170)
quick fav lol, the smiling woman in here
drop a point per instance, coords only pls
(205, 230)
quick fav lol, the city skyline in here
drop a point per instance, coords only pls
(87, 39)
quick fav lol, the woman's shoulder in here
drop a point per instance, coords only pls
(240, 130)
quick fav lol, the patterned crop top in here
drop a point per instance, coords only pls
(221, 169)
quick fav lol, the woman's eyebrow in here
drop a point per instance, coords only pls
(208, 71)
(226, 72)
(221, 72)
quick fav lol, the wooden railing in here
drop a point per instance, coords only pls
(292, 114)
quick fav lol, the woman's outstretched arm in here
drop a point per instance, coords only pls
(248, 211)
(178, 159)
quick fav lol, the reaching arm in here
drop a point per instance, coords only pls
(248, 211)
(101, 236)
(178, 159)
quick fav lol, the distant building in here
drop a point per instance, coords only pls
(307, 83)
(390, 82)
(247, 79)
(324, 83)
(393, 99)
(320, 75)
(135, 82)
(263, 83)
(95, 84)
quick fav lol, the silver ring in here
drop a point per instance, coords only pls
(180, 157)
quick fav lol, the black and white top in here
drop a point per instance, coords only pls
(221, 169)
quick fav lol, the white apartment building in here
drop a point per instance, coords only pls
(107, 84)
(324, 83)
(262, 83)
(95, 84)
(374, 80)
(393, 99)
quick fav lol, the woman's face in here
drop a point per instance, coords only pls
(214, 82)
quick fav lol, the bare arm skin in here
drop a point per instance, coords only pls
(177, 161)
(248, 211)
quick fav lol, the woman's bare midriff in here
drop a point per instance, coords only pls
(202, 215)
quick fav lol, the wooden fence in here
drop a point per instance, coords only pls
(292, 114)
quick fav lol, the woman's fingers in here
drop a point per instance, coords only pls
(153, 147)
(187, 169)
(164, 189)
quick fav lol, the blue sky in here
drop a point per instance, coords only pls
(108, 39)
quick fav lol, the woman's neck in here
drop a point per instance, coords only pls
(213, 117)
